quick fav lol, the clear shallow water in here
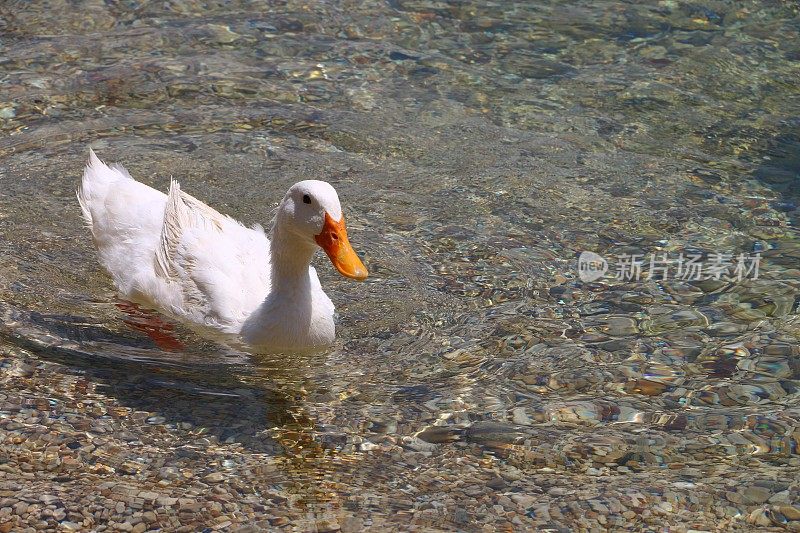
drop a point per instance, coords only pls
(477, 149)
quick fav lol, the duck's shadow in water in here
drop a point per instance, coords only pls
(208, 395)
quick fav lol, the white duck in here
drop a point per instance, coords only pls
(177, 254)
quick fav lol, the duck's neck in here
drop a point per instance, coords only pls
(290, 257)
(293, 315)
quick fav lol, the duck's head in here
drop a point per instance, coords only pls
(312, 211)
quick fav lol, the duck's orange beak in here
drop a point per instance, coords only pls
(333, 239)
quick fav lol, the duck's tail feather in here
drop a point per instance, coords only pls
(122, 170)
(97, 179)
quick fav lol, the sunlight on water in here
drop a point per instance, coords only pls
(477, 381)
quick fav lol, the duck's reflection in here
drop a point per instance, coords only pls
(262, 404)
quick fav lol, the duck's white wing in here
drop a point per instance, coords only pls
(220, 266)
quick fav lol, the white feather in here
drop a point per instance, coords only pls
(175, 253)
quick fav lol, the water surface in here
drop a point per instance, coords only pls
(478, 148)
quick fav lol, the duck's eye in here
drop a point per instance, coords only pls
(306, 199)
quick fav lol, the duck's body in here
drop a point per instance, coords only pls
(173, 252)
